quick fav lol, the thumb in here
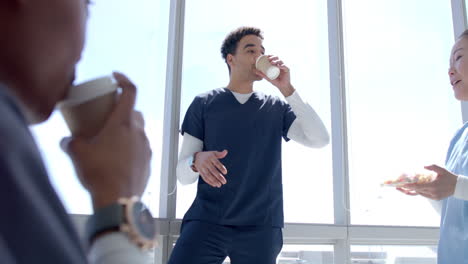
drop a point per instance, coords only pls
(221, 154)
(435, 168)
(124, 108)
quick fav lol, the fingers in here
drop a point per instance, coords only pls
(427, 195)
(407, 192)
(410, 186)
(138, 119)
(415, 193)
(210, 168)
(124, 107)
(283, 68)
(219, 166)
(219, 178)
(420, 187)
(435, 168)
(212, 177)
(274, 60)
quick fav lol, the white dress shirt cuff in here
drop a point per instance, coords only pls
(461, 188)
(116, 248)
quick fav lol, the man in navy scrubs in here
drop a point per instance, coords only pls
(232, 145)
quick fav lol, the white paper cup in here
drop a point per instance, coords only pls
(264, 65)
(88, 105)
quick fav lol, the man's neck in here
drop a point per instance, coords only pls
(243, 87)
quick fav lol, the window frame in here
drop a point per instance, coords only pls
(341, 234)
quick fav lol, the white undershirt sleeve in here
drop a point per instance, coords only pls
(190, 145)
(307, 129)
(461, 188)
(461, 192)
(116, 248)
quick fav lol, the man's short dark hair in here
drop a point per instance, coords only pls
(230, 42)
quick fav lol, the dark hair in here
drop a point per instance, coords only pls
(464, 34)
(230, 42)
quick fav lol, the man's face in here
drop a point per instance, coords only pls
(248, 50)
(46, 45)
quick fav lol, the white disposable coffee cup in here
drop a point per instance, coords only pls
(88, 105)
(263, 64)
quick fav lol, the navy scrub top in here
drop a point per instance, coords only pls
(251, 132)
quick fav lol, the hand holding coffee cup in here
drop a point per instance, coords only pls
(115, 162)
(87, 106)
(264, 65)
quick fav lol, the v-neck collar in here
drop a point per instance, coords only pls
(252, 95)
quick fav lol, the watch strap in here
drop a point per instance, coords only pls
(104, 219)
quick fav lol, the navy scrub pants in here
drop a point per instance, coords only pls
(205, 243)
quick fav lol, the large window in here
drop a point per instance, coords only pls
(394, 254)
(301, 42)
(305, 254)
(382, 84)
(319, 254)
(401, 109)
(125, 36)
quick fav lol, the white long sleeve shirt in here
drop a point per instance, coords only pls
(307, 129)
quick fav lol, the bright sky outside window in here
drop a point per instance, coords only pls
(130, 37)
(401, 109)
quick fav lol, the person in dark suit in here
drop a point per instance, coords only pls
(41, 43)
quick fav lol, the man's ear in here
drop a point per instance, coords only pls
(230, 59)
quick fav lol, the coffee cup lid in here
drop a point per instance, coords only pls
(78, 94)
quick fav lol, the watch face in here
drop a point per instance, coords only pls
(144, 222)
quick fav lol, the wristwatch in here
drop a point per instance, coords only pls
(127, 215)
